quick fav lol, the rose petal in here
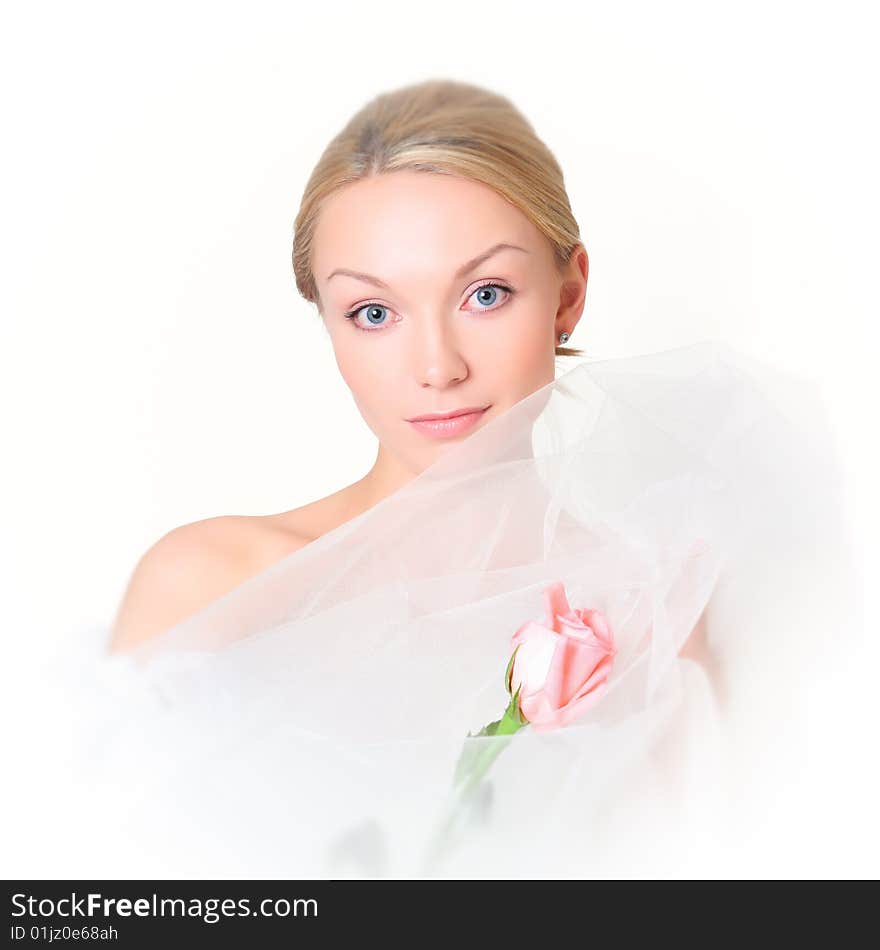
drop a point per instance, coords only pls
(599, 676)
(573, 626)
(555, 603)
(534, 658)
(582, 706)
(578, 662)
(539, 711)
(598, 623)
(553, 687)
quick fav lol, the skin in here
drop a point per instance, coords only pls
(436, 345)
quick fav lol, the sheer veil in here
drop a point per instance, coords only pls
(307, 724)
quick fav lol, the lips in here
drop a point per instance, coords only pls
(451, 414)
(449, 425)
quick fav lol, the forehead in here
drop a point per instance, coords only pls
(407, 217)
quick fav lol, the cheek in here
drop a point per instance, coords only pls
(360, 366)
(368, 378)
(523, 353)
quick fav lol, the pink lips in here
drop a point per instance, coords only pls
(449, 426)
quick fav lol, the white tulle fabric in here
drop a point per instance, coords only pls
(307, 724)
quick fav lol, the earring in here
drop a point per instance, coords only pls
(564, 337)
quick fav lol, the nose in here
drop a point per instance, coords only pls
(437, 358)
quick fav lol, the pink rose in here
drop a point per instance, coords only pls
(562, 665)
(557, 671)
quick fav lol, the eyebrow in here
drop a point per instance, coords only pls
(463, 271)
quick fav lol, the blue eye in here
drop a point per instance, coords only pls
(374, 311)
(487, 289)
(372, 316)
(490, 290)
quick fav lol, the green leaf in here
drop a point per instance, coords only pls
(509, 670)
(476, 757)
(520, 718)
(512, 719)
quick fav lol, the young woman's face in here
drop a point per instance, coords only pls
(426, 332)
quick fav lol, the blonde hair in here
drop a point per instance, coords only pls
(447, 127)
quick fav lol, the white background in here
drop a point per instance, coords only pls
(158, 366)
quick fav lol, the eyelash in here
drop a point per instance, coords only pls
(351, 314)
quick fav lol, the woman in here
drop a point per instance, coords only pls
(290, 694)
(471, 276)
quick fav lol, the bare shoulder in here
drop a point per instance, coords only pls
(193, 565)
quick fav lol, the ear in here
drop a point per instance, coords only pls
(573, 290)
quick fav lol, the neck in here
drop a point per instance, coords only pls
(387, 475)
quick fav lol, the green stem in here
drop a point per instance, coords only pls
(473, 764)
